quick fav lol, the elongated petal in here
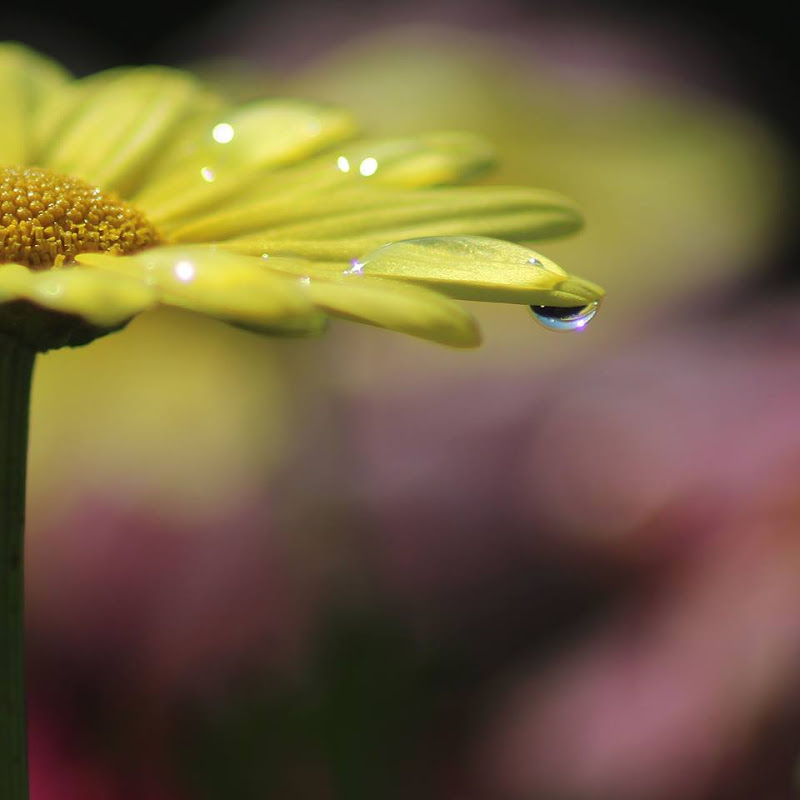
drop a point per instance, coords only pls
(26, 79)
(432, 159)
(340, 176)
(333, 184)
(515, 214)
(422, 213)
(105, 301)
(235, 148)
(398, 307)
(236, 289)
(370, 214)
(115, 124)
(472, 268)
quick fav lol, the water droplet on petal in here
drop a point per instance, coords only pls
(185, 271)
(369, 166)
(53, 288)
(459, 258)
(567, 318)
(356, 267)
(223, 133)
(482, 268)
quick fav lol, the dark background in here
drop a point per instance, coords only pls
(756, 43)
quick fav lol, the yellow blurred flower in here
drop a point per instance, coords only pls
(139, 187)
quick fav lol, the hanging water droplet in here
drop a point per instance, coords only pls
(566, 318)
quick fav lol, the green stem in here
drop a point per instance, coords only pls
(16, 368)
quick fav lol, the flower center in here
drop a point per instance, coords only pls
(46, 219)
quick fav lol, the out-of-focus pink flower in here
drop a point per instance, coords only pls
(668, 696)
(677, 461)
(673, 464)
(61, 770)
(155, 603)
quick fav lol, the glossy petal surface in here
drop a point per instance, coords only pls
(103, 300)
(234, 288)
(387, 304)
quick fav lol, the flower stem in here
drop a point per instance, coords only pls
(16, 368)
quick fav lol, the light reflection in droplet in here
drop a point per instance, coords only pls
(207, 174)
(184, 271)
(343, 164)
(305, 280)
(368, 166)
(556, 318)
(223, 133)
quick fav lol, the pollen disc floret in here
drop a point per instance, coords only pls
(46, 219)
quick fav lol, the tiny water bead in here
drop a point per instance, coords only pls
(47, 219)
(366, 167)
(483, 268)
(223, 133)
(565, 318)
(439, 158)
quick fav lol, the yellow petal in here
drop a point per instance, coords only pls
(232, 150)
(376, 213)
(105, 301)
(418, 214)
(333, 184)
(477, 268)
(397, 307)
(26, 79)
(510, 213)
(350, 172)
(233, 288)
(115, 124)
(427, 160)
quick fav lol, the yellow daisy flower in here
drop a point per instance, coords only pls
(139, 187)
